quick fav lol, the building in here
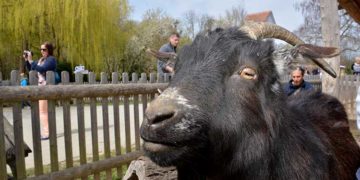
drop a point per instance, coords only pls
(265, 16)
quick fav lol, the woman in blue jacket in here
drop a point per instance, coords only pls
(46, 63)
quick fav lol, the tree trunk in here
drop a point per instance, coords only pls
(330, 29)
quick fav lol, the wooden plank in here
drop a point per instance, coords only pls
(134, 79)
(56, 92)
(153, 80)
(167, 77)
(106, 128)
(81, 123)
(94, 125)
(115, 80)
(144, 97)
(19, 142)
(160, 78)
(50, 80)
(18, 131)
(67, 124)
(35, 122)
(14, 78)
(125, 80)
(2, 146)
(90, 168)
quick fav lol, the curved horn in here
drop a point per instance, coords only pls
(261, 30)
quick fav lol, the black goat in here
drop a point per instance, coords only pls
(224, 116)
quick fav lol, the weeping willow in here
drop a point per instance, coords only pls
(87, 32)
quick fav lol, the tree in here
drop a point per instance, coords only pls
(88, 32)
(153, 31)
(233, 17)
(190, 20)
(310, 30)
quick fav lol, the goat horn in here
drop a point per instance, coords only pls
(261, 30)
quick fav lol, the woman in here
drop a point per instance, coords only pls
(46, 63)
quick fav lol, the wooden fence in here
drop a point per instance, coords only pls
(120, 146)
(108, 116)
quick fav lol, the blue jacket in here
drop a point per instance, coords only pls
(161, 64)
(289, 88)
(49, 65)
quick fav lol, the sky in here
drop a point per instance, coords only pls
(283, 10)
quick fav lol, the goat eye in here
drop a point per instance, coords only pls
(248, 73)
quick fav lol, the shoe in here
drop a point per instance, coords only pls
(43, 138)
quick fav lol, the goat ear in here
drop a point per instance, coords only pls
(288, 58)
(313, 51)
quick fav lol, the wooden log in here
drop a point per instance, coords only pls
(143, 168)
(56, 92)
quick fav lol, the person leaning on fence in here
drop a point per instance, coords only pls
(297, 82)
(163, 66)
(46, 63)
(355, 67)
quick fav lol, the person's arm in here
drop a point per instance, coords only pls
(164, 66)
(49, 65)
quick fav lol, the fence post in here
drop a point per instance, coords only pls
(160, 77)
(105, 112)
(167, 77)
(115, 80)
(144, 96)
(50, 80)
(2, 145)
(125, 80)
(14, 78)
(134, 79)
(81, 124)
(18, 131)
(35, 122)
(65, 79)
(94, 124)
(153, 80)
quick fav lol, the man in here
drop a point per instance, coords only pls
(162, 65)
(297, 82)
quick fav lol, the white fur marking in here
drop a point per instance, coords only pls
(183, 124)
(172, 93)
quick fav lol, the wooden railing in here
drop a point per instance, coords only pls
(79, 148)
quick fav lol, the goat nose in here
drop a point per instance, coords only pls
(160, 111)
(159, 116)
